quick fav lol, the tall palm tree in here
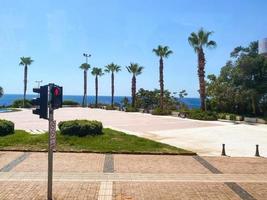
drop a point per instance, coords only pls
(112, 68)
(85, 68)
(198, 41)
(25, 61)
(1, 92)
(136, 70)
(162, 52)
(96, 72)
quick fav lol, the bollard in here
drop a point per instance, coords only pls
(257, 151)
(223, 150)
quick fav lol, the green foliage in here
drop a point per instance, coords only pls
(109, 107)
(241, 87)
(6, 127)
(85, 66)
(202, 115)
(1, 91)
(19, 103)
(221, 115)
(162, 51)
(125, 102)
(131, 109)
(135, 69)
(80, 127)
(148, 100)
(70, 103)
(159, 111)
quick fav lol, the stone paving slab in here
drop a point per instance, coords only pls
(67, 162)
(172, 191)
(157, 164)
(239, 165)
(37, 190)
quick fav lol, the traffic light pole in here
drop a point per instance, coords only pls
(50, 155)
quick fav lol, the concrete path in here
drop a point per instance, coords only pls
(205, 138)
(89, 176)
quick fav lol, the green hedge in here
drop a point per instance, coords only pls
(19, 103)
(80, 127)
(131, 109)
(6, 127)
(202, 115)
(70, 103)
(159, 111)
(109, 107)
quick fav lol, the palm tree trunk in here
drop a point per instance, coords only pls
(161, 82)
(25, 84)
(201, 75)
(112, 89)
(84, 87)
(133, 90)
(96, 91)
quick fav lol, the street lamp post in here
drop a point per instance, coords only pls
(86, 58)
(38, 83)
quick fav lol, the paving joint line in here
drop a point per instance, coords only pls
(108, 163)
(15, 162)
(241, 192)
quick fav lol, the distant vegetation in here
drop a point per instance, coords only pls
(241, 86)
(1, 91)
(70, 103)
(21, 103)
(26, 62)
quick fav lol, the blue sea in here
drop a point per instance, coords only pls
(8, 99)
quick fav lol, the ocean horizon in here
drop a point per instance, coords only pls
(8, 99)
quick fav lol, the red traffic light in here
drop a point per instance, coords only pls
(56, 91)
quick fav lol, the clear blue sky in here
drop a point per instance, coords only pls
(56, 34)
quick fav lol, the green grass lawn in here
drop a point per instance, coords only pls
(110, 141)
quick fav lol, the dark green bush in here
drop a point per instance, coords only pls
(159, 111)
(6, 127)
(131, 109)
(222, 115)
(232, 117)
(109, 107)
(202, 115)
(80, 127)
(70, 103)
(19, 103)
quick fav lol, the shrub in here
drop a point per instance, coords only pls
(70, 103)
(19, 103)
(159, 111)
(222, 115)
(131, 109)
(80, 127)
(202, 115)
(109, 107)
(232, 117)
(6, 127)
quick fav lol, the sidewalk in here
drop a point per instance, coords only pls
(140, 177)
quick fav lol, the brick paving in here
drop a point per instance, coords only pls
(67, 162)
(89, 176)
(172, 191)
(239, 165)
(157, 164)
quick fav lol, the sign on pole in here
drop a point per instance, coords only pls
(52, 132)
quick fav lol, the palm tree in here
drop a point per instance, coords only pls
(1, 92)
(112, 68)
(198, 41)
(96, 72)
(136, 70)
(85, 68)
(162, 52)
(25, 61)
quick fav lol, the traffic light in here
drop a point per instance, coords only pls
(41, 102)
(56, 96)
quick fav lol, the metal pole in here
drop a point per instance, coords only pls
(50, 154)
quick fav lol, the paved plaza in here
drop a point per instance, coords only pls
(23, 175)
(204, 138)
